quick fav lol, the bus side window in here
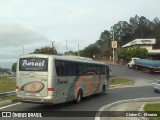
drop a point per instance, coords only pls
(107, 72)
(63, 68)
(57, 64)
(74, 69)
(103, 70)
(69, 69)
(77, 71)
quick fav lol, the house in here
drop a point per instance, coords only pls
(151, 45)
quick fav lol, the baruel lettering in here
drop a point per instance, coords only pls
(39, 64)
(62, 82)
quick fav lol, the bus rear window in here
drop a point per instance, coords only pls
(33, 64)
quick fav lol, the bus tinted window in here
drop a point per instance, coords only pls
(69, 68)
(65, 68)
(33, 64)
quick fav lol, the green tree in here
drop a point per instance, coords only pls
(90, 51)
(3, 69)
(127, 54)
(156, 28)
(141, 27)
(14, 66)
(123, 32)
(45, 50)
(104, 43)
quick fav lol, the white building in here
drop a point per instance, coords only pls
(151, 45)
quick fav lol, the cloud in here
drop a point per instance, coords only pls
(14, 38)
(32, 24)
(18, 35)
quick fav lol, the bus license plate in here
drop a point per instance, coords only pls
(32, 94)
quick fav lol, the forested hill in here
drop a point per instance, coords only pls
(124, 32)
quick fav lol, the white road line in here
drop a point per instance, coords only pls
(10, 105)
(148, 99)
(129, 86)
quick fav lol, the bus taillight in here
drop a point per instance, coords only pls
(51, 89)
(17, 88)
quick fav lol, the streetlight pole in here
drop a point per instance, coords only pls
(113, 46)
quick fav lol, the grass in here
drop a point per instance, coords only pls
(152, 107)
(117, 81)
(7, 84)
(9, 98)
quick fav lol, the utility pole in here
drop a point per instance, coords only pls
(113, 47)
(52, 42)
(78, 50)
(66, 48)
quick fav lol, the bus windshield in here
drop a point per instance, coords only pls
(33, 64)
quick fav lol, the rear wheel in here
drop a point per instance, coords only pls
(155, 90)
(103, 89)
(79, 96)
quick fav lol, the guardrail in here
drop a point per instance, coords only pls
(6, 94)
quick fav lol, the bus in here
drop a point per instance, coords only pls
(57, 79)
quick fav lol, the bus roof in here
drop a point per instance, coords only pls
(64, 57)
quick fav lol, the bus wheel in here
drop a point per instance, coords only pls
(79, 96)
(103, 89)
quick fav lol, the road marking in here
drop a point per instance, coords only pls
(10, 105)
(130, 86)
(149, 99)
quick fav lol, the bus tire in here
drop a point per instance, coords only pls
(79, 96)
(103, 89)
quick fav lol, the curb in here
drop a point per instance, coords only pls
(8, 102)
(108, 107)
(117, 85)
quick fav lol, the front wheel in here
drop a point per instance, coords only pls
(103, 89)
(129, 66)
(155, 91)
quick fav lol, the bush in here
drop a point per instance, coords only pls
(128, 53)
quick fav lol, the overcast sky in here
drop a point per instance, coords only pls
(30, 24)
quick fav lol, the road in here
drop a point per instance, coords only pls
(123, 71)
(94, 103)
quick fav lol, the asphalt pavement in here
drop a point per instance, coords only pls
(128, 109)
(140, 89)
